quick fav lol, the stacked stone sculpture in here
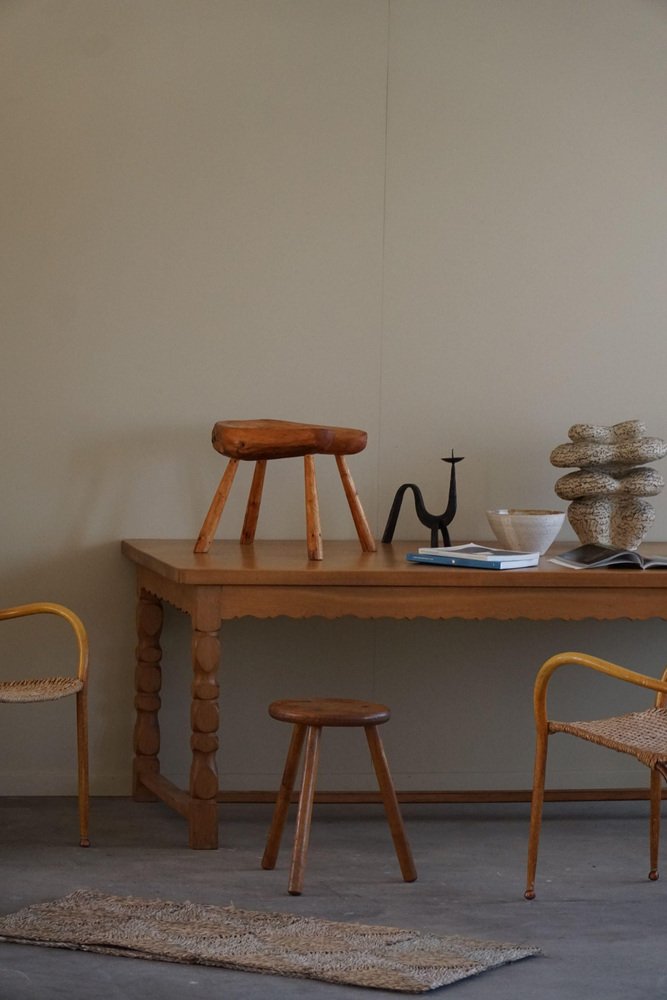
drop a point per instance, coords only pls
(607, 493)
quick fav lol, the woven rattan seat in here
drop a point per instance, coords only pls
(23, 691)
(308, 717)
(44, 689)
(642, 735)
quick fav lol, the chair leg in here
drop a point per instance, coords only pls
(654, 827)
(305, 811)
(536, 804)
(254, 500)
(394, 818)
(360, 523)
(82, 762)
(283, 798)
(212, 518)
(313, 529)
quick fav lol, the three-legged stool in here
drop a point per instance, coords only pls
(308, 718)
(263, 440)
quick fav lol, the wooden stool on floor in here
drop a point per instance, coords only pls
(308, 718)
(262, 440)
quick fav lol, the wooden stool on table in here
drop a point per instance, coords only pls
(262, 440)
(308, 718)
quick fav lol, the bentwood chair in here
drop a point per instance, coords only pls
(643, 735)
(52, 688)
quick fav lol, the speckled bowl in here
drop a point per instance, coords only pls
(526, 530)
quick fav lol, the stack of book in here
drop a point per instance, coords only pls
(474, 556)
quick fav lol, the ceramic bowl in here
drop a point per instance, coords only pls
(527, 530)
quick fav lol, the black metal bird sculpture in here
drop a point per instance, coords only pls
(436, 522)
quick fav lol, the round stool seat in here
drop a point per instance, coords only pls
(329, 712)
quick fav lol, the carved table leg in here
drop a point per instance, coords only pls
(148, 681)
(204, 719)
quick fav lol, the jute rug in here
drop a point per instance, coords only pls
(284, 944)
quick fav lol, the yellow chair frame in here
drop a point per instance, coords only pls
(627, 738)
(52, 688)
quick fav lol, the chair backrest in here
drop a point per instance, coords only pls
(660, 696)
(49, 688)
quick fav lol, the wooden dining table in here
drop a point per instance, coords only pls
(275, 578)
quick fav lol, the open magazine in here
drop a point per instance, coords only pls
(593, 556)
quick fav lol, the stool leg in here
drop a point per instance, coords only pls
(361, 524)
(283, 798)
(254, 500)
(313, 529)
(401, 846)
(305, 812)
(207, 532)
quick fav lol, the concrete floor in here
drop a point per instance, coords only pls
(598, 920)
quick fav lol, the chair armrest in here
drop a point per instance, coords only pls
(549, 667)
(44, 607)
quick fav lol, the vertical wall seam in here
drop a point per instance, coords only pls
(378, 512)
(383, 270)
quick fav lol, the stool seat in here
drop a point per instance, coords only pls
(261, 441)
(255, 440)
(308, 717)
(330, 712)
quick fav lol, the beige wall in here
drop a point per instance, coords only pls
(445, 222)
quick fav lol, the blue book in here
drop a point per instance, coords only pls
(474, 557)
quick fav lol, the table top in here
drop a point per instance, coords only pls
(270, 578)
(285, 562)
